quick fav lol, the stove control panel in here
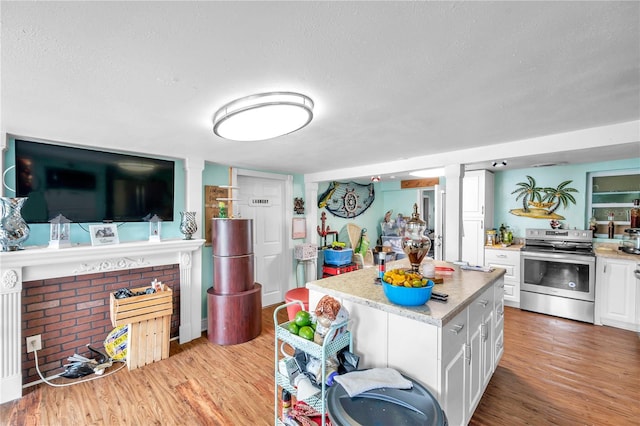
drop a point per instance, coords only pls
(559, 234)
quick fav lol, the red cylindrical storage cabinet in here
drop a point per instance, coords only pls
(232, 237)
(234, 318)
(235, 300)
(232, 244)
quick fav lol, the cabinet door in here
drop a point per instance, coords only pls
(453, 388)
(473, 189)
(454, 394)
(476, 328)
(487, 345)
(481, 346)
(498, 348)
(617, 295)
(477, 194)
(473, 241)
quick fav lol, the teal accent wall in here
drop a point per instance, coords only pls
(128, 231)
(369, 219)
(576, 215)
(389, 196)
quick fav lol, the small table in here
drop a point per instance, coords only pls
(303, 263)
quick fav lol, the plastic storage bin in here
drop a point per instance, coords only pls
(338, 257)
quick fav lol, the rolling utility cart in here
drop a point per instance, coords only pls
(330, 346)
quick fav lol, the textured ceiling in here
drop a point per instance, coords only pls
(390, 80)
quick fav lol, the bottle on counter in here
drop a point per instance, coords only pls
(635, 214)
(611, 227)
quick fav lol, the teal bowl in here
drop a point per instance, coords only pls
(408, 296)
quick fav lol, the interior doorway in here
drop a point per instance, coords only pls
(261, 197)
(433, 212)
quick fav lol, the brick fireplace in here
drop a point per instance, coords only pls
(63, 295)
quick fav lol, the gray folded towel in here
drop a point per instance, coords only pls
(357, 382)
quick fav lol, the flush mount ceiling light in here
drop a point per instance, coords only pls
(499, 163)
(263, 116)
(429, 172)
(375, 178)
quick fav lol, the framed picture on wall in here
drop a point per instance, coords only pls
(106, 233)
(299, 228)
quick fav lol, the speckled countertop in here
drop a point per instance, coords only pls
(611, 250)
(514, 247)
(359, 287)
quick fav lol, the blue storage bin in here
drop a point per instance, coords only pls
(338, 257)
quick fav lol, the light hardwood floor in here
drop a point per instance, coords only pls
(553, 372)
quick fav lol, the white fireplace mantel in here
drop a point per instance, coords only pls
(37, 263)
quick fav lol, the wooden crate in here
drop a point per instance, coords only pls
(149, 319)
(141, 308)
(148, 341)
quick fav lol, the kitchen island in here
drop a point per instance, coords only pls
(451, 347)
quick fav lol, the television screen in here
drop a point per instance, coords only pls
(91, 186)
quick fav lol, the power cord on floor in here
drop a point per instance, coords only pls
(61, 385)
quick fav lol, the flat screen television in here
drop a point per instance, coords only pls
(87, 185)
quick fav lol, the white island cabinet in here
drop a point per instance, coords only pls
(452, 348)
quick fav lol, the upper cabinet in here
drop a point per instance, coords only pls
(477, 214)
(477, 193)
(612, 192)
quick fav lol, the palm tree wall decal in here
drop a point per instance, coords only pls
(536, 200)
(559, 195)
(526, 191)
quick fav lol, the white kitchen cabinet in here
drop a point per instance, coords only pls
(481, 331)
(510, 261)
(616, 293)
(498, 323)
(477, 214)
(473, 241)
(455, 369)
(469, 357)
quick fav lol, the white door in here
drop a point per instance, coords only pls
(438, 222)
(262, 199)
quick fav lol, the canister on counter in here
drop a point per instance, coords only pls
(381, 264)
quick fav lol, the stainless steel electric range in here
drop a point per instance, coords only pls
(558, 273)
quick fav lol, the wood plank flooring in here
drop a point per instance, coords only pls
(553, 372)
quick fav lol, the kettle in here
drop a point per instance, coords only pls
(631, 241)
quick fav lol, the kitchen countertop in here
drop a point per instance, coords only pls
(514, 247)
(610, 250)
(359, 286)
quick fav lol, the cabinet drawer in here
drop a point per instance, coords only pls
(509, 289)
(481, 307)
(454, 335)
(510, 269)
(509, 260)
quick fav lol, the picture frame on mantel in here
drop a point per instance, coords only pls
(299, 228)
(104, 234)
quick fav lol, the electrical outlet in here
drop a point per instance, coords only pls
(34, 343)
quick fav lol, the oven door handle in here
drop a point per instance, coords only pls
(559, 256)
